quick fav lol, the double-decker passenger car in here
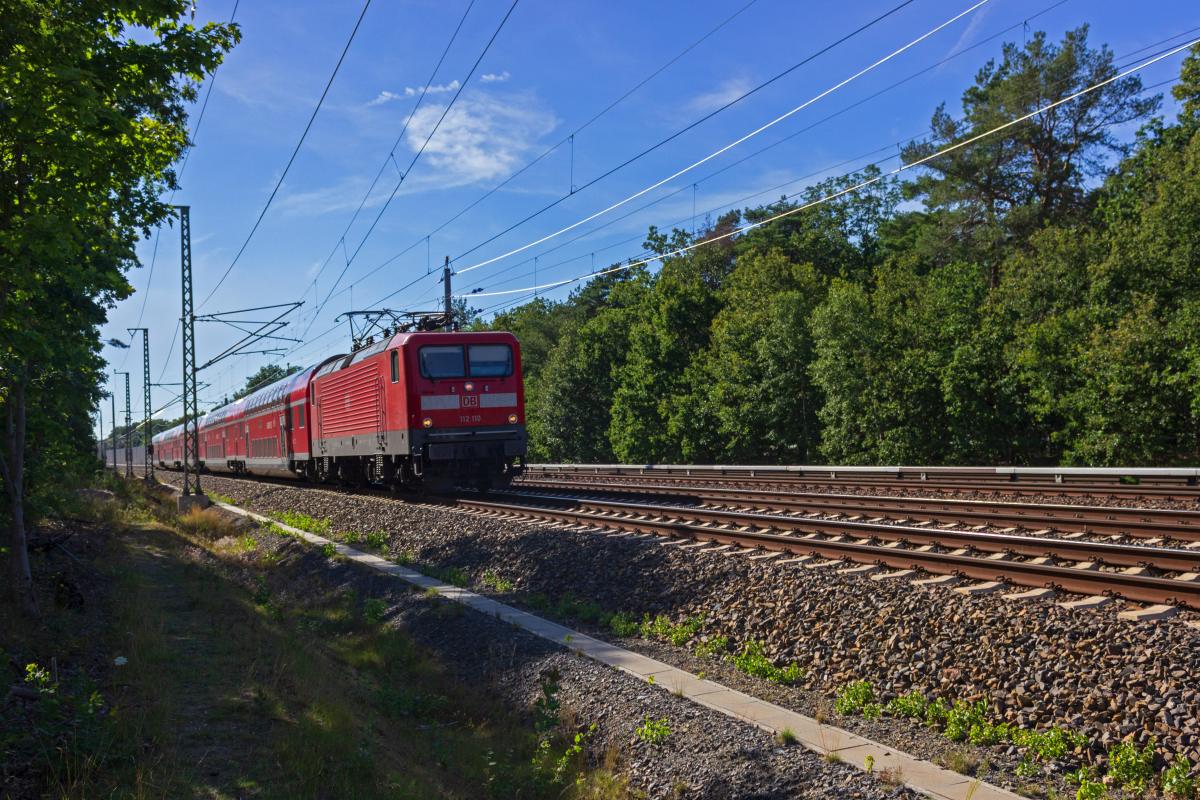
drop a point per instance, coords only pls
(414, 408)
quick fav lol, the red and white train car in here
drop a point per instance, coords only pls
(413, 408)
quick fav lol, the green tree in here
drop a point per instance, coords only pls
(92, 116)
(1108, 310)
(997, 191)
(265, 375)
(671, 327)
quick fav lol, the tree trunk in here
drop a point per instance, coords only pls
(12, 469)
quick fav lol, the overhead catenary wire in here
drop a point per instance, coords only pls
(670, 138)
(528, 290)
(311, 343)
(392, 151)
(733, 204)
(825, 49)
(291, 159)
(935, 65)
(549, 151)
(412, 163)
(849, 189)
(786, 115)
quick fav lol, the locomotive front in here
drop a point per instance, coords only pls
(466, 407)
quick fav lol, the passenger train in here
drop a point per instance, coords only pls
(414, 409)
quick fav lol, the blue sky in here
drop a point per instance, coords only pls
(551, 69)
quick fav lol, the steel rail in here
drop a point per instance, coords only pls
(1129, 585)
(1139, 522)
(1027, 487)
(1119, 555)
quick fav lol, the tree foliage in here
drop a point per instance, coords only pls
(92, 116)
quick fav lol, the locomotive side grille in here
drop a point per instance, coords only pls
(350, 402)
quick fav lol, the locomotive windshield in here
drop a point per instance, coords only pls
(482, 361)
(442, 361)
(490, 360)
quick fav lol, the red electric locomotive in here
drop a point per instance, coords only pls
(415, 408)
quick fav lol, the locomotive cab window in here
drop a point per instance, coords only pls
(442, 361)
(395, 366)
(490, 360)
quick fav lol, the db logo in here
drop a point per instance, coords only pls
(470, 401)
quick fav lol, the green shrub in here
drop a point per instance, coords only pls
(1130, 768)
(303, 521)
(662, 629)
(962, 718)
(715, 646)
(909, 706)
(1176, 782)
(374, 610)
(936, 713)
(1089, 789)
(1049, 744)
(493, 581)
(753, 661)
(853, 697)
(376, 539)
(623, 624)
(653, 731)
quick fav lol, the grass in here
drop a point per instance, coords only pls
(228, 683)
(217, 497)
(455, 576)
(962, 760)
(787, 737)
(207, 523)
(304, 522)
(493, 581)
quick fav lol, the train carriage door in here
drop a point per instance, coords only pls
(283, 452)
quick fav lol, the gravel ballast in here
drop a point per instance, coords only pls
(705, 754)
(1036, 664)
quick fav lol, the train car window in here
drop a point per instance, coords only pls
(490, 360)
(442, 361)
(299, 416)
(395, 366)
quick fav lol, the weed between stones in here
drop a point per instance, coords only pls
(1129, 768)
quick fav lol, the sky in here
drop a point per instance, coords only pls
(332, 242)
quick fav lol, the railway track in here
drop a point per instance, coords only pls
(1144, 523)
(1135, 572)
(1148, 484)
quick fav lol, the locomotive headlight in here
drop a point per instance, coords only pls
(512, 419)
(427, 422)
(468, 387)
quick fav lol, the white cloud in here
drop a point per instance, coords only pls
(483, 137)
(494, 77)
(413, 91)
(385, 97)
(728, 90)
(969, 31)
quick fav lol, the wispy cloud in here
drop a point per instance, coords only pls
(413, 91)
(726, 91)
(484, 136)
(969, 31)
(495, 77)
(385, 97)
